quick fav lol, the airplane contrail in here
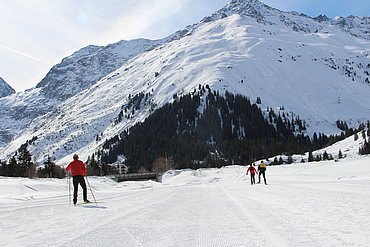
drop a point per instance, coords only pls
(24, 54)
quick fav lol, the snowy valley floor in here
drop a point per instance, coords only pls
(310, 204)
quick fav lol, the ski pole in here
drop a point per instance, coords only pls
(69, 188)
(91, 191)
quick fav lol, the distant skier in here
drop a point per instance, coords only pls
(78, 170)
(253, 171)
(262, 170)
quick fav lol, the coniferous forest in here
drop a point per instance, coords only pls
(206, 129)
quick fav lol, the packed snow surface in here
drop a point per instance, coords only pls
(304, 204)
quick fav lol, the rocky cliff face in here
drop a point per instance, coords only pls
(5, 88)
(88, 65)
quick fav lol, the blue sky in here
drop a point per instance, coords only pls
(331, 8)
(36, 34)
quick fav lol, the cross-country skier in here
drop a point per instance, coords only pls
(261, 170)
(78, 170)
(253, 171)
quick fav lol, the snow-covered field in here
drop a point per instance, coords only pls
(309, 204)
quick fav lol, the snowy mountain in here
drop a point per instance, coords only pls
(74, 74)
(314, 68)
(85, 67)
(5, 88)
(262, 13)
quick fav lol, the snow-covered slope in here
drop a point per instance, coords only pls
(313, 69)
(5, 88)
(309, 204)
(74, 74)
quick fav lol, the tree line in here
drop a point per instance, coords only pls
(21, 165)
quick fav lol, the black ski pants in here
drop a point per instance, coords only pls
(253, 180)
(264, 176)
(79, 179)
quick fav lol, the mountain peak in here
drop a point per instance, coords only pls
(246, 3)
(252, 8)
(321, 18)
(5, 88)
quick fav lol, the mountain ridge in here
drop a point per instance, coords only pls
(262, 13)
(96, 61)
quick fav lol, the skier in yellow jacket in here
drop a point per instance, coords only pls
(261, 170)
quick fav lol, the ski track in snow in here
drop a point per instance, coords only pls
(316, 204)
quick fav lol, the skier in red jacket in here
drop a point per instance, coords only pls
(253, 171)
(78, 170)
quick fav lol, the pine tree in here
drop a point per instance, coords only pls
(281, 161)
(310, 157)
(340, 155)
(12, 167)
(356, 137)
(325, 156)
(363, 134)
(290, 159)
(50, 170)
(49, 167)
(275, 162)
(3, 168)
(25, 168)
(93, 167)
(365, 148)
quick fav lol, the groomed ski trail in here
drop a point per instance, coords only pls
(319, 204)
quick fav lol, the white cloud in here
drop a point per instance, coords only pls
(149, 19)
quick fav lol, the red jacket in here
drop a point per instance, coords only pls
(77, 167)
(251, 169)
